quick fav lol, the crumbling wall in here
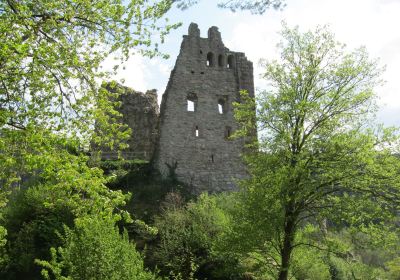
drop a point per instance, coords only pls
(140, 112)
(196, 117)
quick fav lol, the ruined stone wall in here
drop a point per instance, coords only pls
(196, 117)
(140, 112)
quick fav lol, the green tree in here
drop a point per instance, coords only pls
(319, 159)
(51, 55)
(94, 249)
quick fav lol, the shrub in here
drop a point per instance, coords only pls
(95, 250)
(32, 229)
(187, 234)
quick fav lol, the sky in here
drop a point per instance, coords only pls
(374, 24)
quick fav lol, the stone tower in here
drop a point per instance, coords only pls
(196, 114)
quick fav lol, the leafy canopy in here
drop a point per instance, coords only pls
(51, 55)
(254, 6)
(319, 157)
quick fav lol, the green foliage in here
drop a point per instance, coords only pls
(187, 236)
(3, 240)
(111, 165)
(121, 172)
(33, 229)
(393, 268)
(309, 263)
(319, 156)
(51, 56)
(94, 249)
(254, 6)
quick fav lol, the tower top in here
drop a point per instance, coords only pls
(213, 32)
(194, 30)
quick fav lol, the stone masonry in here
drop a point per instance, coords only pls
(140, 112)
(196, 115)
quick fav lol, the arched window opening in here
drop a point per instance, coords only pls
(210, 59)
(221, 60)
(231, 61)
(196, 132)
(221, 106)
(191, 102)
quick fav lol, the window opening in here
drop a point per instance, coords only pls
(197, 131)
(220, 60)
(190, 106)
(221, 106)
(212, 158)
(230, 62)
(191, 102)
(210, 59)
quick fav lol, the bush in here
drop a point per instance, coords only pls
(95, 250)
(32, 229)
(187, 235)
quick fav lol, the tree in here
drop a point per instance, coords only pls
(50, 59)
(254, 6)
(320, 160)
(51, 55)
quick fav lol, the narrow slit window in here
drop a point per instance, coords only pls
(196, 133)
(228, 132)
(212, 158)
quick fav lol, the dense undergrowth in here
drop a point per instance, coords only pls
(193, 235)
(178, 235)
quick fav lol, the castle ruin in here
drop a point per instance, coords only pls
(193, 136)
(196, 114)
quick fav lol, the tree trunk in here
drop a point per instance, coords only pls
(286, 250)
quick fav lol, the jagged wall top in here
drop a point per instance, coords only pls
(213, 33)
